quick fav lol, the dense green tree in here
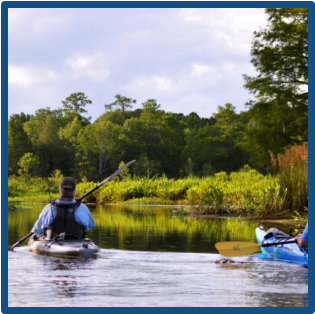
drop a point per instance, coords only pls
(217, 147)
(75, 105)
(86, 156)
(42, 130)
(141, 139)
(227, 122)
(116, 117)
(121, 103)
(163, 143)
(202, 148)
(278, 117)
(155, 138)
(18, 141)
(28, 164)
(193, 121)
(70, 131)
(68, 136)
(172, 143)
(151, 106)
(98, 150)
(230, 128)
(108, 146)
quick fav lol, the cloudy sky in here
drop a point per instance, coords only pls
(186, 59)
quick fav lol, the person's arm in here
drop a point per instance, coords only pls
(45, 218)
(304, 235)
(83, 217)
(302, 239)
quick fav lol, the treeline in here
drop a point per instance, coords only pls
(163, 143)
(174, 144)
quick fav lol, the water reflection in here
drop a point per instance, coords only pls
(163, 229)
(140, 264)
(63, 274)
(147, 228)
(66, 286)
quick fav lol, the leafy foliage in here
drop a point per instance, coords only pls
(243, 192)
(28, 163)
(121, 103)
(18, 141)
(278, 118)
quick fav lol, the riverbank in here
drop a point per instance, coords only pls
(246, 192)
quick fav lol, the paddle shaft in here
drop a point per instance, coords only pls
(82, 197)
(107, 179)
(278, 243)
(20, 241)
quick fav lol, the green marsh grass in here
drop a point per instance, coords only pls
(244, 192)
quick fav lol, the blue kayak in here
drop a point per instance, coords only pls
(286, 252)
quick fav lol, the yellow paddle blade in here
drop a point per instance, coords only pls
(237, 248)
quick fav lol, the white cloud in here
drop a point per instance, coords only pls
(196, 78)
(93, 66)
(202, 69)
(153, 84)
(189, 79)
(27, 76)
(37, 23)
(226, 28)
(164, 83)
(169, 54)
(227, 18)
(199, 87)
(229, 66)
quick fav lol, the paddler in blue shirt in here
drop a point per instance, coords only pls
(302, 239)
(65, 218)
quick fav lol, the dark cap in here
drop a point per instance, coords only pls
(68, 184)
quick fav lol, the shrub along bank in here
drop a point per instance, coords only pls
(243, 192)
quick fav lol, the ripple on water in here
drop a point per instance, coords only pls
(136, 278)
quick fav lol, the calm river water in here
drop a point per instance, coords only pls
(152, 257)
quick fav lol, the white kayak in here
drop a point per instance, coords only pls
(83, 249)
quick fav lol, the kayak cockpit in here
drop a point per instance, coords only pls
(288, 252)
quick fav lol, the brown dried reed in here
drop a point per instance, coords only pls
(290, 157)
(292, 165)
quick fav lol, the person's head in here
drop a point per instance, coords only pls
(67, 187)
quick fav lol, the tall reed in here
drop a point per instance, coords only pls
(292, 167)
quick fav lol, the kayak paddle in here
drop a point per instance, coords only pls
(239, 248)
(11, 248)
(111, 177)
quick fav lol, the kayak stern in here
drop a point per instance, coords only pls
(82, 249)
